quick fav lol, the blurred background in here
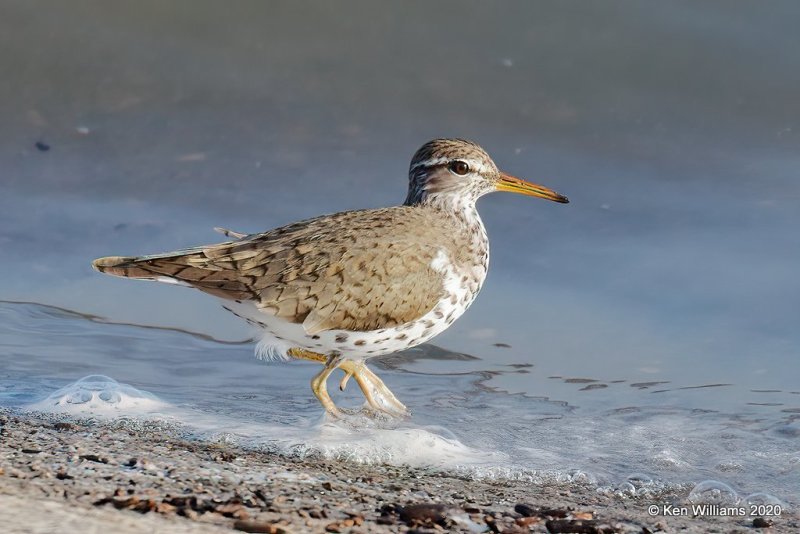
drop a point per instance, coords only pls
(136, 127)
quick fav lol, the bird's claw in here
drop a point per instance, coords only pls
(345, 378)
(378, 396)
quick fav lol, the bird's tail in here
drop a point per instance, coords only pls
(124, 266)
(171, 265)
(190, 267)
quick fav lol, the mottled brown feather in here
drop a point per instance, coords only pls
(358, 270)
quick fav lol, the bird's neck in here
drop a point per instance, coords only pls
(461, 207)
(468, 243)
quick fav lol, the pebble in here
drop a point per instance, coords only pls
(260, 527)
(760, 522)
(160, 473)
(422, 513)
(578, 526)
(93, 458)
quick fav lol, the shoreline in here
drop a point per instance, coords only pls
(61, 473)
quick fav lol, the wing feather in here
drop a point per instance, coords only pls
(357, 271)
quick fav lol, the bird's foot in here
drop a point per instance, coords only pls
(379, 397)
(319, 385)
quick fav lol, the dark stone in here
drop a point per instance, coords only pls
(63, 425)
(43, 147)
(94, 458)
(760, 522)
(578, 526)
(526, 510)
(423, 513)
(260, 494)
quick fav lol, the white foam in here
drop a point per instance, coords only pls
(99, 395)
(412, 446)
(356, 439)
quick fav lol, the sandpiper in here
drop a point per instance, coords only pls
(339, 289)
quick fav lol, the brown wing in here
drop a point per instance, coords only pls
(357, 271)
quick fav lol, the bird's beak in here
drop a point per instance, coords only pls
(513, 184)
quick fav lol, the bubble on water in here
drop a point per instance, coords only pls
(110, 396)
(582, 477)
(78, 397)
(626, 489)
(640, 480)
(98, 395)
(642, 484)
(761, 498)
(713, 492)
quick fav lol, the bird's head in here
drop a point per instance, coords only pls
(453, 171)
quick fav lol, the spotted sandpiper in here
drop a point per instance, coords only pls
(339, 289)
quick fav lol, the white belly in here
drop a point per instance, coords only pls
(279, 335)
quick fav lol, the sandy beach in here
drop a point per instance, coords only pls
(66, 475)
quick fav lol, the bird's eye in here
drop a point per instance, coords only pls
(459, 167)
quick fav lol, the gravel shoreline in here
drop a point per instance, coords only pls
(67, 475)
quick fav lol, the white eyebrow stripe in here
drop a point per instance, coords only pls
(473, 165)
(430, 163)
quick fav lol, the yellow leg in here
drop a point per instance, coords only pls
(302, 354)
(367, 381)
(319, 385)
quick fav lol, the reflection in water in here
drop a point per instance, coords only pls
(669, 284)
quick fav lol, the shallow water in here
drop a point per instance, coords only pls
(650, 326)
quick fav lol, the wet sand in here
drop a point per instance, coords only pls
(67, 475)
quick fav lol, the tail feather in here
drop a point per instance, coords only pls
(124, 266)
(189, 267)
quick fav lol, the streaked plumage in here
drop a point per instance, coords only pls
(355, 284)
